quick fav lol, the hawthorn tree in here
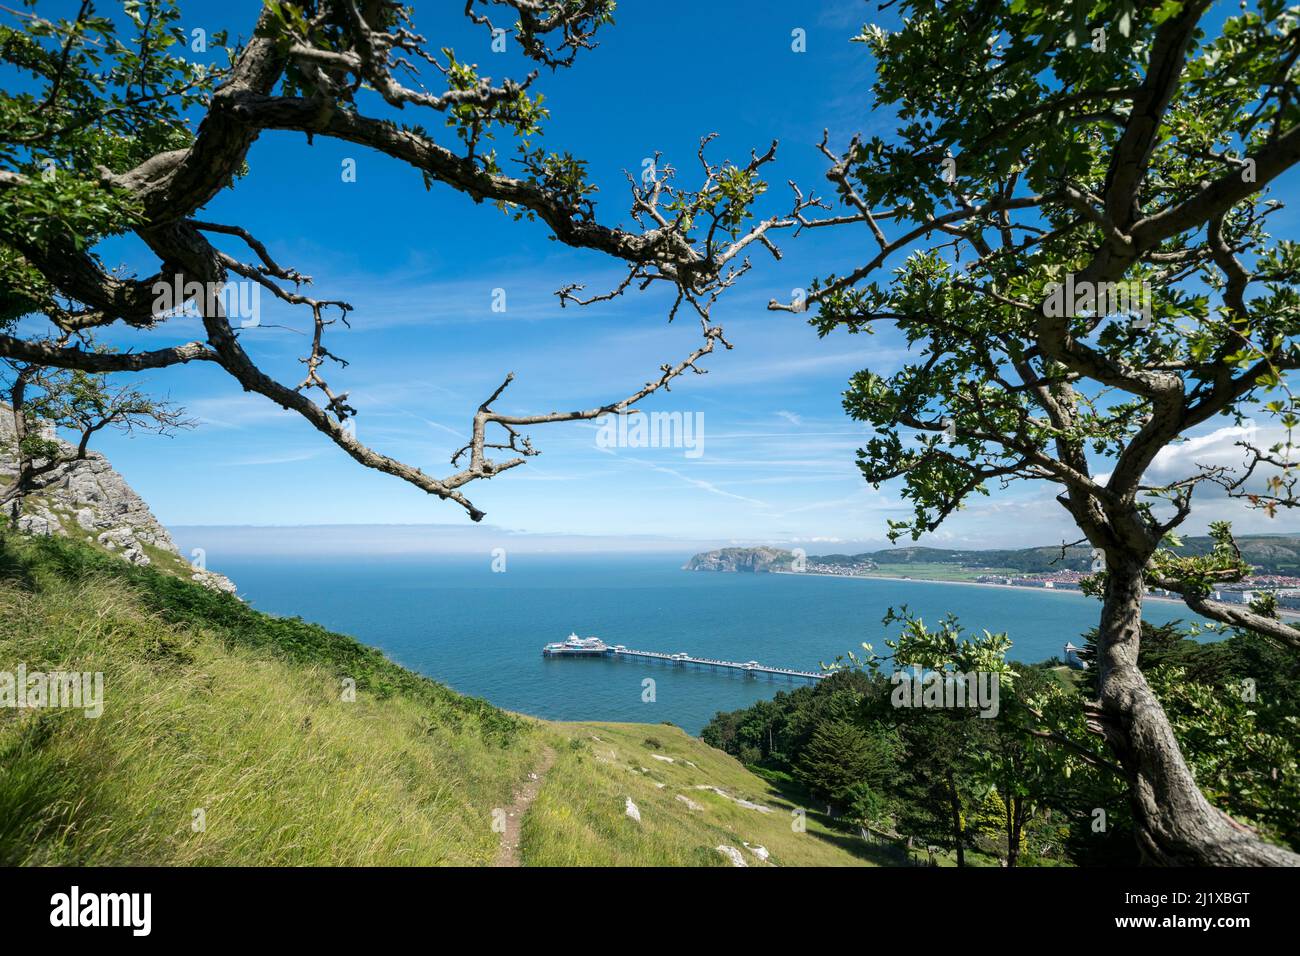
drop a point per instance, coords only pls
(1079, 195)
(39, 401)
(118, 131)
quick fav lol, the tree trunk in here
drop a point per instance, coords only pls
(958, 837)
(1176, 825)
(1015, 823)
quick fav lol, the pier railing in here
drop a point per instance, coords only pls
(753, 668)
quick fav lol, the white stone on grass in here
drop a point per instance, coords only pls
(732, 854)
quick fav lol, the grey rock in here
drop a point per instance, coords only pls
(38, 524)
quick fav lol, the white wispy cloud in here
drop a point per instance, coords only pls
(252, 462)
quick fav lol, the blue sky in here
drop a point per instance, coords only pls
(425, 347)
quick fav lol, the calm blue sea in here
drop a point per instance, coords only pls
(482, 632)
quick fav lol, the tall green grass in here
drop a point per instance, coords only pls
(213, 707)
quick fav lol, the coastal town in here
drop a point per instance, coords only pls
(924, 564)
(1286, 588)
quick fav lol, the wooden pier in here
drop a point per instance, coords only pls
(749, 668)
(593, 647)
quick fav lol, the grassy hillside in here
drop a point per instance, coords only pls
(689, 804)
(210, 706)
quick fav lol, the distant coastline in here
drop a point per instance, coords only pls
(1282, 612)
(1276, 562)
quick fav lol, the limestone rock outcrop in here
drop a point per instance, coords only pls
(89, 499)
